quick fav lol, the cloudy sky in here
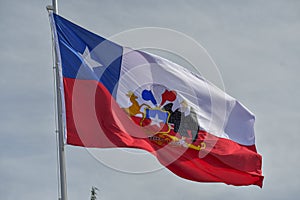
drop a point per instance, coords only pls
(255, 45)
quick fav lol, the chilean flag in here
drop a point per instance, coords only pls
(114, 96)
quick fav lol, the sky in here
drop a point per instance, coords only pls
(255, 45)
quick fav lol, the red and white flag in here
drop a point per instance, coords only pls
(115, 96)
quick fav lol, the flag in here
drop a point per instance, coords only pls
(115, 96)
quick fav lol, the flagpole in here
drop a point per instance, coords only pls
(60, 127)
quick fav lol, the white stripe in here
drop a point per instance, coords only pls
(218, 113)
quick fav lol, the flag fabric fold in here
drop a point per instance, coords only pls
(115, 96)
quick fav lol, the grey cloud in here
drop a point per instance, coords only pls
(254, 43)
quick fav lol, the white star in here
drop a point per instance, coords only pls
(155, 120)
(91, 63)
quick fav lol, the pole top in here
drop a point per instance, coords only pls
(52, 7)
(55, 6)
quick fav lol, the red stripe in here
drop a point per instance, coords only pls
(94, 119)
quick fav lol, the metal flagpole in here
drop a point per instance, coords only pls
(60, 127)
